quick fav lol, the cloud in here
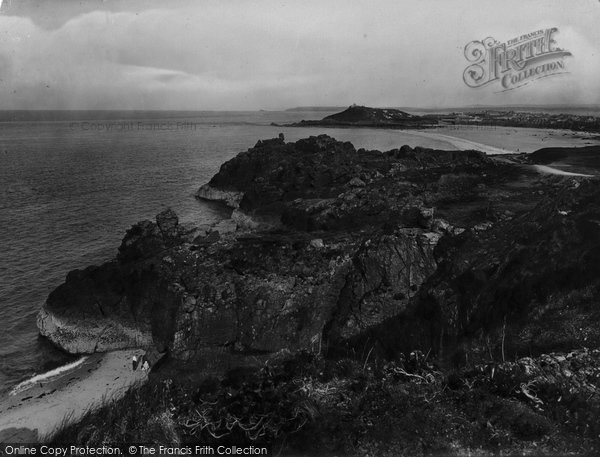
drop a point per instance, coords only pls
(271, 54)
(52, 14)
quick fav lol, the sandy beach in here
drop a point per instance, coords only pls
(509, 140)
(34, 412)
(463, 144)
(491, 140)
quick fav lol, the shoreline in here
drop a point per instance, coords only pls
(38, 410)
(498, 140)
(464, 144)
(491, 140)
(49, 376)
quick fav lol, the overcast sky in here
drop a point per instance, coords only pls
(190, 54)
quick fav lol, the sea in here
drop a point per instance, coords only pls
(72, 183)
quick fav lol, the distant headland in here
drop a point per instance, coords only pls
(533, 117)
(363, 116)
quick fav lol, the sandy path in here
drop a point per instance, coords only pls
(44, 406)
(555, 171)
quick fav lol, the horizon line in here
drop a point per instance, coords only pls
(307, 107)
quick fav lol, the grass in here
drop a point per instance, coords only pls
(313, 406)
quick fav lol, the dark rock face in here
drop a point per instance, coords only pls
(253, 298)
(233, 301)
(404, 249)
(387, 272)
(273, 173)
(522, 286)
(124, 303)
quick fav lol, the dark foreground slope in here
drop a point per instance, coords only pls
(392, 295)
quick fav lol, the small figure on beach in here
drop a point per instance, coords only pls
(146, 365)
(135, 362)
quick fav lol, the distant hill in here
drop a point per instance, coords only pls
(363, 114)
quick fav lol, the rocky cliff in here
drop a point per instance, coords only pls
(396, 250)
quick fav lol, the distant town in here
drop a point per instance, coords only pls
(582, 123)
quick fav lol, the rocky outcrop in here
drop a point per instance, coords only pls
(387, 272)
(123, 303)
(83, 335)
(312, 184)
(230, 198)
(231, 293)
(147, 239)
(235, 301)
(523, 285)
(396, 250)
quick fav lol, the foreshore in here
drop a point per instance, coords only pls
(39, 409)
(508, 140)
(488, 139)
(462, 143)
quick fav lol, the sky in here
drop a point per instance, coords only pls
(274, 54)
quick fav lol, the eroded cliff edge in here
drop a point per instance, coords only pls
(333, 248)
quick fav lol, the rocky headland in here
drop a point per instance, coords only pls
(363, 116)
(449, 265)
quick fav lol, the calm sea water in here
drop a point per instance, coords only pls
(71, 187)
